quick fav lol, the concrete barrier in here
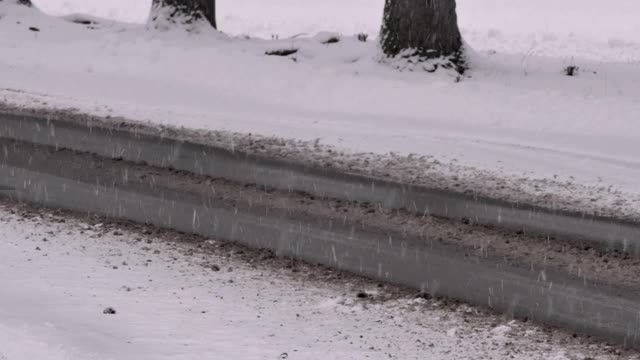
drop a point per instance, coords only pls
(521, 290)
(110, 141)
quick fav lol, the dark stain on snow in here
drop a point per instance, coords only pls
(281, 52)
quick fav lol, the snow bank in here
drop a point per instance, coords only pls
(517, 128)
(131, 11)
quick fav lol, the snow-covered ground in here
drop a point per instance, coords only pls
(548, 21)
(515, 117)
(58, 274)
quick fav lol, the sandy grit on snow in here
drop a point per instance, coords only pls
(176, 297)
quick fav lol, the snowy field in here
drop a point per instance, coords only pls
(516, 117)
(614, 21)
(58, 275)
(571, 28)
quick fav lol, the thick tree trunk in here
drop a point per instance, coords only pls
(185, 11)
(425, 28)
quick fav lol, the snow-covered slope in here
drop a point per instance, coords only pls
(517, 117)
(545, 21)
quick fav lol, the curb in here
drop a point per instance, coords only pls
(127, 144)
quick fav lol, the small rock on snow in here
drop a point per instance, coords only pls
(109, 311)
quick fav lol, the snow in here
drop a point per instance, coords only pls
(133, 11)
(58, 274)
(517, 117)
(613, 22)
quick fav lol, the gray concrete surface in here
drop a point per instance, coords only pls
(130, 145)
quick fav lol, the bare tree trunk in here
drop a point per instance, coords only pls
(424, 28)
(186, 11)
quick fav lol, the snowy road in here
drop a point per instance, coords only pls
(58, 274)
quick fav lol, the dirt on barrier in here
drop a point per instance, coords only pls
(517, 248)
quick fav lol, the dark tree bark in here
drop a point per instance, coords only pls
(189, 11)
(25, 2)
(426, 28)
